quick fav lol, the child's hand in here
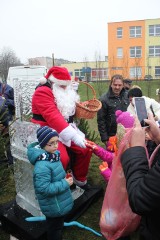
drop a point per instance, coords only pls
(103, 166)
(69, 180)
(105, 171)
(69, 173)
(112, 144)
(91, 145)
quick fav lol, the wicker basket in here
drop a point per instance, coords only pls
(88, 109)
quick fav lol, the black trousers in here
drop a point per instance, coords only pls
(55, 228)
(124, 238)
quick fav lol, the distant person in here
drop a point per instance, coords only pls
(4, 121)
(7, 97)
(152, 105)
(7, 93)
(4, 116)
(52, 187)
(123, 118)
(116, 98)
(127, 83)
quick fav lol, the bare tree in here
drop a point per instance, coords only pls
(125, 71)
(8, 59)
(98, 69)
(112, 66)
(137, 65)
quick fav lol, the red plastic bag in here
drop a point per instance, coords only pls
(117, 218)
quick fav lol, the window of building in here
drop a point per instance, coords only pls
(82, 74)
(154, 51)
(157, 71)
(99, 73)
(135, 52)
(135, 72)
(119, 32)
(120, 52)
(79, 73)
(154, 30)
(135, 32)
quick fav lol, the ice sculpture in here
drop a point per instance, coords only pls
(22, 133)
(25, 133)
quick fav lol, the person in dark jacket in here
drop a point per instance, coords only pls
(7, 93)
(4, 115)
(142, 182)
(115, 99)
(52, 187)
(127, 83)
(4, 120)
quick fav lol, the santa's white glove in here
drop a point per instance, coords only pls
(79, 141)
(71, 134)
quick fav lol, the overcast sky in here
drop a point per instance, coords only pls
(71, 29)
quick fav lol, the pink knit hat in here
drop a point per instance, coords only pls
(125, 118)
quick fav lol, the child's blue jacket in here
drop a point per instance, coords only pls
(52, 190)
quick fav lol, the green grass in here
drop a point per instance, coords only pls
(92, 215)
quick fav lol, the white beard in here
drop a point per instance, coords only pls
(65, 99)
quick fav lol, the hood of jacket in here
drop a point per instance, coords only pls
(34, 151)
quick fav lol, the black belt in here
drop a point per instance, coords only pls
(40, 118)
(70, 119)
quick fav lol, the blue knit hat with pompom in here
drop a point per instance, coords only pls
(44, 134)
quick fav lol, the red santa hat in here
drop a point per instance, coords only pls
(58, 75)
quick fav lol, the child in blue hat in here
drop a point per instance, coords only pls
(51, 185)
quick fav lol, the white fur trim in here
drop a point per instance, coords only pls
(79, 183)
(43, 80)
(58, 81)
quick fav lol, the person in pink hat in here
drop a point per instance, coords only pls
(107, 155)
(54, 104)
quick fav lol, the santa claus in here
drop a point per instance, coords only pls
(53, 104)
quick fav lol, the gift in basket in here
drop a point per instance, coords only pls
(89, 108)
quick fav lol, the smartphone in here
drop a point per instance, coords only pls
(141, 111)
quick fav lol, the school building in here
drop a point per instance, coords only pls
(133, 51)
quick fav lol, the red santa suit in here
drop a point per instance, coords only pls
(48, 112)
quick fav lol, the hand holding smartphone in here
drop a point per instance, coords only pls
(140, 109)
